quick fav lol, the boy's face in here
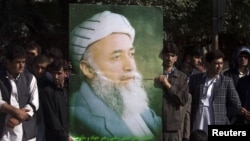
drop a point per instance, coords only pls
(243, 59)
(16, 66)
(59, 77)
(216, 66)
(169, 59)
(40, 69)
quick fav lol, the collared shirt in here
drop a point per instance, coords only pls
(168, 74)
(204, 116)
(16, 134)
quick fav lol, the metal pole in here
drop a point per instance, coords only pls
(218, 20)
(215, 25)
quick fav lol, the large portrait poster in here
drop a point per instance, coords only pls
(115, 55)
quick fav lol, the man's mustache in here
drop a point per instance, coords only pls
(132, 76)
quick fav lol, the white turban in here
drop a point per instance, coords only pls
(95, 28)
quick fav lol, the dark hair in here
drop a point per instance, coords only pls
(193, 51)
(57, 64)
(55, 53)
(213, 55)
(14, 52)
(170, 47)
(33, 45)
(41, 59)
(198, 135)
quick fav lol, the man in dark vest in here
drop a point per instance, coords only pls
(18, 98)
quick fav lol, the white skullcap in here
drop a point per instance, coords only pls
(95, 28)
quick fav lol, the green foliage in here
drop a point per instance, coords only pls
(191, 22)
(185, 21)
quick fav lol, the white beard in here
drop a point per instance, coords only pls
(125, 99)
